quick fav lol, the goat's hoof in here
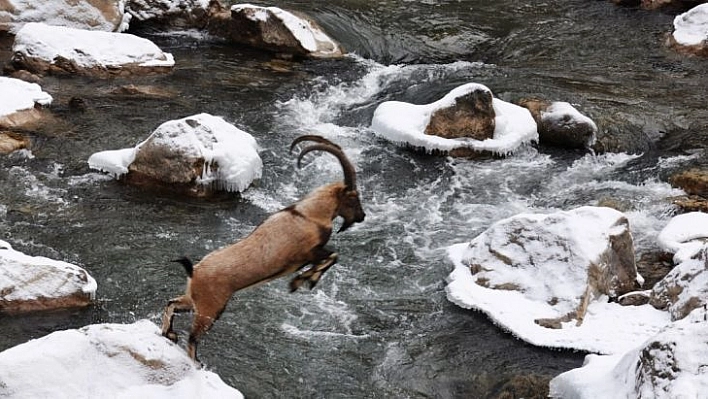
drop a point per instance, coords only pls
(171, 335)
(295, 284)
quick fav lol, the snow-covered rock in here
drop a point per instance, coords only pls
(18, 102)
(669, 365)
(42, 48)
(29, 283)
(691, 31)
(560, 124)
(406, 123)
(172, 13)
(199, 153)
(532, 268)
(81, 14)
(273, 29)
(106, 361)
(685, 287)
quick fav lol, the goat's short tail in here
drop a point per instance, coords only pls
(187, 263)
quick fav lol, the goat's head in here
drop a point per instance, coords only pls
(349, 203)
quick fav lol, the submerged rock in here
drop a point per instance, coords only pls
(21, 102)
(560, 124)
(690, 34)
(273, 29)
(30, 283)
(106, 360)
(180, 14)
(81, 14)
(408, 124)
(10, 142)
(45, 49)
(198, 155)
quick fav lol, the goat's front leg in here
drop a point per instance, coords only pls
(322, 263)
(176, 305)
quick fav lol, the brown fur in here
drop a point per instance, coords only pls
(284, 243)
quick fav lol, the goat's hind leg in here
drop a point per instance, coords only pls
(176, 305)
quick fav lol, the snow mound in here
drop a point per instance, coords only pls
(106, 361)
(684, 235)
(669, 365)
(18, 95)
(88, 48)
(405, 123)
(691, 27)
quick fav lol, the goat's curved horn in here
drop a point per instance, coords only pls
(312, 137)
(347, 167)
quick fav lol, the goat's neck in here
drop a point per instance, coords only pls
(322, 204)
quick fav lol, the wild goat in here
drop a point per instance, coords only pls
(286, 242)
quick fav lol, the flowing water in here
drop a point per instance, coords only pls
(378, 324)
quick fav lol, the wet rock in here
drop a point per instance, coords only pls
(691, 203)
(690, 34)
(29, 283)
(21, 103)
(45, 49)
(199, 155)
(472, 115)
(169, 14)
(529, 386)
(81, 14)
(560, 124)
(659, 4)
(10, 141)
(693, 181)
(288, 34)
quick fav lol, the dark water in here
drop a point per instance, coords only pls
(378, 324)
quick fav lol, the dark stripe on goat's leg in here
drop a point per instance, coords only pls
(176, 305)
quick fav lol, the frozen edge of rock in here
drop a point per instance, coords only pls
(106, 360)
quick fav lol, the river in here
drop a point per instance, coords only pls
(378, 325)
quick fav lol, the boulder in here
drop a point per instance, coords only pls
(21, 102)
(690, 34)
(288, 34)
(441, 126)
(198, 155)
(81, 14)
(555, 280)
(30, 283)
(472, 115)
(685, 287)
(179, 14)
(45, 49)
(560, 124)
(669, 365)
(106, 361)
